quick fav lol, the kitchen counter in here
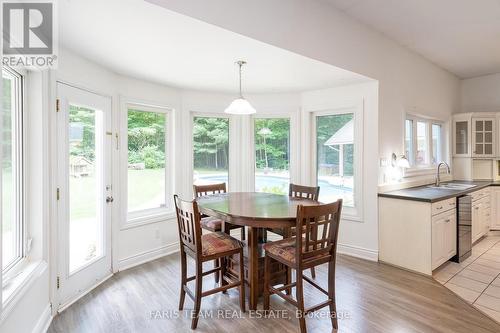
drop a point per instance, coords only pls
(429, 194)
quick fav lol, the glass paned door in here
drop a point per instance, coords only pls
(84, 192)
(86, 227)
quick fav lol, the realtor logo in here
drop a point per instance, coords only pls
(28, 33)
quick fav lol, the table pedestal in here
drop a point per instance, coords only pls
(254, 266)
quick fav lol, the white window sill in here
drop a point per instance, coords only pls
(423, 171)
(19, 283)
(139, 221)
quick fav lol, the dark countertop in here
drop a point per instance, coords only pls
(427, 194)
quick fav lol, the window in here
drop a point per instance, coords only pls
(422, 144)
(436, 144)
(12, 169)
(409, 140)
(335, 162)
(210, 150)
(423, 141)
(147, 159)
(272, 155)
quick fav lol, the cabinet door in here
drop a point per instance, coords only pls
(486, 220)
(451, 235)
(495, 208)
(483, 141)
(476, 221)
(438, 240)
(461, 137)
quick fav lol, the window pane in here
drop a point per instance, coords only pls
(436, 144)
(421, 143)
(85, 187)
(409, 141)
(335, 157)
(272, 155)
(210, 150)
(146, 160)
(11, 221)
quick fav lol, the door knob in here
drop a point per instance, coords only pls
(109, 199)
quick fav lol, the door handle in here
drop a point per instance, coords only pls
(109, 199)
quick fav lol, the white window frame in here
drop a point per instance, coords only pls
(230, 180)
(152, 215)
(292, 148)
(19, 175)
(429, 167)
(348, 213)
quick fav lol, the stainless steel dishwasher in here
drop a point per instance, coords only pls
(464, 228)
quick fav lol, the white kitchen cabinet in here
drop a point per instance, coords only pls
(462, 135)
(495, 208)
(419, 236)
(444, 237)
(483, 137)
(476, 221)
(481, 213)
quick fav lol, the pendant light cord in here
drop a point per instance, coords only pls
(241, 63)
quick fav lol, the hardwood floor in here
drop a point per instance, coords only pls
(372, 297)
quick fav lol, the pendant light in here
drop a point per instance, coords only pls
(240, 105)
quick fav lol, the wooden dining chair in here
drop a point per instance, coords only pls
(303, 192)
(202, 248)
(212, 223)
(315, 245)
(300, 192)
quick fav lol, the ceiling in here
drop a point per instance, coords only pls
(139, 39)
(462, 36)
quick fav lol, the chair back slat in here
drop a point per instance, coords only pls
(203, 190)
(319, 226)
(304, 192)
(188, 220)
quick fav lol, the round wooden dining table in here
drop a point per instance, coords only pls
(258, 212)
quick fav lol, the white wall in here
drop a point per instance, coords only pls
(481, 94)
(359, 238)
(317, 30)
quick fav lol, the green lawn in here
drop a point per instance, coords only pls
(144, 187)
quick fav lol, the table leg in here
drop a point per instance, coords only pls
(253, 266)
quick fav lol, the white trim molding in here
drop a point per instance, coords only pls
(146, 256)
(43, 323)
(28, 277)
(357, 252)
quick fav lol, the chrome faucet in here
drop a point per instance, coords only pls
(438, 179)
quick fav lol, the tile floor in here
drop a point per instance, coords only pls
(477, 279)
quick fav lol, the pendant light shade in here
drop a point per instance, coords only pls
(240, 105)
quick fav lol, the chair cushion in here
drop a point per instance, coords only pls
(283, 249)
(211, 223)
(218, 242)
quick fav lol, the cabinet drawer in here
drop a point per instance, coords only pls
(480, 194)
(443, 206)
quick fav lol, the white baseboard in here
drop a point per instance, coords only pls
(146, 256)
(358, 252)
(43, 323)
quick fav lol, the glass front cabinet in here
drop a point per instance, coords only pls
(462, 135)
(483, 137)
(474, 135)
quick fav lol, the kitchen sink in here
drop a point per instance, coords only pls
(452, 186)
